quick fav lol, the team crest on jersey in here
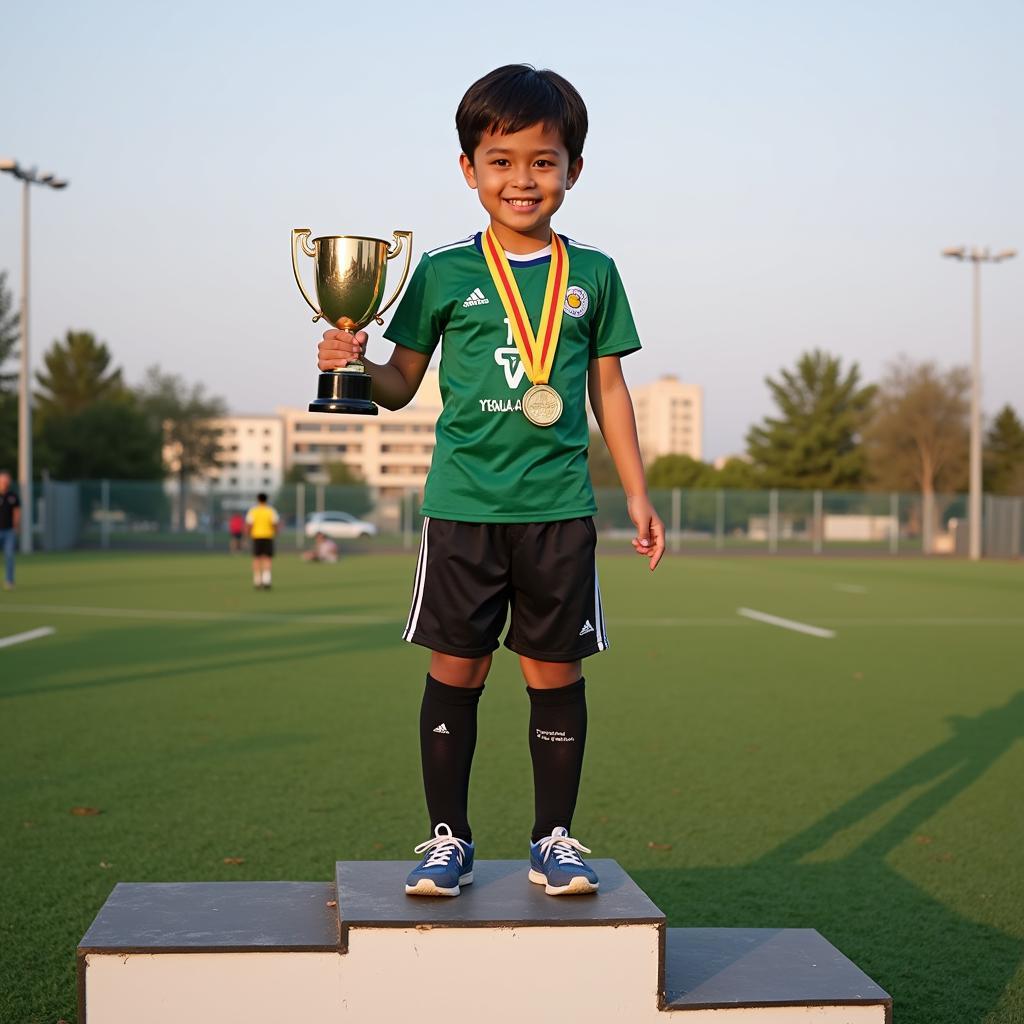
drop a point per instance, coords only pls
(576, 301)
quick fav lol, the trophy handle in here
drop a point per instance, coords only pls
(402, 238)
(300, 236)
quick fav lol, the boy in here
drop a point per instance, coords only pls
(262, 520)
(508, 501)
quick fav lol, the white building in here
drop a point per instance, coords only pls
(391, 451)
(669, 418)
(250, 456)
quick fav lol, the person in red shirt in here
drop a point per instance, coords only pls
(236, 527)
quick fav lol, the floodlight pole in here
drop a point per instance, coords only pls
(27, 178)
(976, 256)
(24, 389)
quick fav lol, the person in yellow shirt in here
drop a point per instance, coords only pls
(262, 520)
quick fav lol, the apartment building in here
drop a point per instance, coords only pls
(669, 418)
(391, 451)
(250, 455)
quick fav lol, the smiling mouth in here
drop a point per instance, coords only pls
(522, 204)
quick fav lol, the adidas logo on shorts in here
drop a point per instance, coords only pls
(587, 628)
(476, 298)
(442, 729)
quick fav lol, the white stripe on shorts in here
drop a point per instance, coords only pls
(602, 636)
(417, 590)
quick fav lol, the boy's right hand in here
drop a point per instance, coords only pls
(339, 348)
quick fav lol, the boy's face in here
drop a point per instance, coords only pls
(521, 179)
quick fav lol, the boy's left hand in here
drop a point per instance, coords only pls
(650, 530)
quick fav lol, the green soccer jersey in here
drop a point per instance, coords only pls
(491, 464)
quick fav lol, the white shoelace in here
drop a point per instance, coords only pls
(563, 847)
(442, 845)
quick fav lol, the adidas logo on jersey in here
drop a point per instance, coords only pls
(587, 628)
(442, 729)
(476, 298)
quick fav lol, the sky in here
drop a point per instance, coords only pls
(769, 178)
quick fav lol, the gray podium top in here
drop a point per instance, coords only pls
(728, 967)
(371, 894)
(193, 917)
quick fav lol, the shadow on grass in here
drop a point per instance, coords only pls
(279, 649)
(938, 965)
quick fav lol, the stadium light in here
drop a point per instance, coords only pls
(977, 256)
(27, 178)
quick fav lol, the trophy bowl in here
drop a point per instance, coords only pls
(349, 273)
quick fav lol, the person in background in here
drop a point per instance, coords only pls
(10, 520)
(324, 550)
(262, 520)
(236, 527)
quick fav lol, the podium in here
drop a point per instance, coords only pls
(361, 950)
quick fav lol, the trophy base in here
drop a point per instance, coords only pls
(341, 392)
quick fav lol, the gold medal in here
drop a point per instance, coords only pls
(542, 405)
(537, 351)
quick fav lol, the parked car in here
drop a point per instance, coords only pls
(339, 525)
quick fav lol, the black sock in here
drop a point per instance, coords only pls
(447, 742)
(558, 734)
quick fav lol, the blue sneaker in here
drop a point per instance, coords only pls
(447, 863)
(555, 864)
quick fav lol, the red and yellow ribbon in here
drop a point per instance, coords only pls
(536, 350)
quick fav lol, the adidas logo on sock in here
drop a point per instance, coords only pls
(476, 298)
(587, 628)
(442, 729)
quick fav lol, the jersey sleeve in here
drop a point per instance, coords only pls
(612, 331)
(419, 322)
(249, 517)
(274, 517)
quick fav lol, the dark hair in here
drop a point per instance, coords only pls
(515, 96)
(261, 496)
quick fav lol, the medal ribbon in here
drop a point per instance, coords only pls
(537, 351)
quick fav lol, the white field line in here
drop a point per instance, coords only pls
(850, 588)
(301, 618)
(796, 627)
(32, 634)
(175, 615)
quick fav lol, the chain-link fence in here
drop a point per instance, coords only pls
(113, 514)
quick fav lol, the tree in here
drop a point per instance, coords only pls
(815, 441)
(8, 380)
(184, 413)
(341, 474)
(1004, 453)
(737, 475)
(8, 432)
(918, 436)
(348, 490)
(9, 334)
(668, 471)
(112, 439)
(78, 373)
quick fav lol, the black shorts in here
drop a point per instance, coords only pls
(469, 575)
(263, 547)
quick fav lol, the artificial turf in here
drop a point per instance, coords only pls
(866, 785)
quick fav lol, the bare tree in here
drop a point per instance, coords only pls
(9, 333)
(184, 411)
(918, 436)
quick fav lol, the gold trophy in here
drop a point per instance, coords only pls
(350, 272)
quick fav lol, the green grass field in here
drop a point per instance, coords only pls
(867, 785)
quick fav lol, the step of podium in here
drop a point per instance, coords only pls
(361, 950)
